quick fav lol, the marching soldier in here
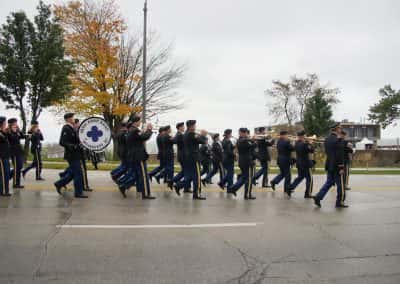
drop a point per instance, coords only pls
(228, 159)
(136, 140)
(168, 156)
(285, 150)
(128, 179)
(217, 158)
(245, 148)
(348, 152)
(334, 166)
(191, 142)
(4, 159)
(74, 155)
(178, 140)
(205, 159)
(263, 157)
(17, 152)
(158, 172)
(121, 151)
(36, 138)
(304, 165)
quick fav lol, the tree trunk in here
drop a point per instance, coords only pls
(115, 148)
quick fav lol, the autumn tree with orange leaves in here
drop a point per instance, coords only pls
(108, 64)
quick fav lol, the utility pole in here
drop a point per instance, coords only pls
(144, 77)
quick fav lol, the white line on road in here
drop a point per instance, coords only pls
(188, 226)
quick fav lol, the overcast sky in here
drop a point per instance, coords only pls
(235, 48)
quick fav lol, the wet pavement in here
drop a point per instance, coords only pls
(220, 240)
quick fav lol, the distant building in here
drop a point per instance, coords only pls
(358, 131)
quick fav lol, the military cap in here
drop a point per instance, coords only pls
(227, 132)
(166, 128)
(161, 129)
(301, 133)
(2, 119)
(261, 129)
(179, 125)
(12, 120)
(283, 132)
(335, 125)
(215, 136)
(243, 130)
(190, 123)
(68, 115)
(34, 122)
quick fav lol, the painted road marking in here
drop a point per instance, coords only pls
(173, 226)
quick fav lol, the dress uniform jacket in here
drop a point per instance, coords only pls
(217, 152)
(15, 143)
(4, 146)
(167, 145)
(178, 140)
(135, 141)
(228, 151)
(246, 152)
(191, 143)
(284, 151)
(303, 151)
(334, 150)
(36, 141)
(70, 141)
(121, 140)
(262, 147)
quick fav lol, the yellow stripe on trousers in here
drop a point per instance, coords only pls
(37, 163)
(144, 178)
(15, 170)
(342, 192)
(83, 175)
(311, 182)
(198, 178)
(3, 184)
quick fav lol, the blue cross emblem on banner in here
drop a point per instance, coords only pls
(94, 134)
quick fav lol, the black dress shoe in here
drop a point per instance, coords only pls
(188, 191)
(307, 196)
(81, 196)
(149, 197)
(250, 197)
(317, 202)
(6, 194)
(288, 192)
(18, 186)
(199, 198)
(58, 189)
(203, 181)
(177, 190)
(273, 186)
(347, 188)
(122, 190)
(231, 192)
(170, 185)
(88, 189)
(342, 206)
(40, 178)
(221, 186)
(157, 179)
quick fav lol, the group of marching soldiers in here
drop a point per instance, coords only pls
(200, 161)
(12, 150)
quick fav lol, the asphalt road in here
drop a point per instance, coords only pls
(45, 238)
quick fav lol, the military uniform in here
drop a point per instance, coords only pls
(285, 150)
(73, 153)
(205, 159)
(137, 153)
(334, 164)
(4, 162)
(217, 165)
(158, 172)
(36, 150)
(122, 154)
(168, 157)
(17, 156)
(264, 158)
(348, 151)
(245, 148)
(192, 170)
(228, 160)
(304, 166)
(178, 140)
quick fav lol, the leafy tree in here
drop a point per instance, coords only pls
(318, 114)
(49, 78)
(387, 110)
(16, 37)
(108, 65)
(288, 100)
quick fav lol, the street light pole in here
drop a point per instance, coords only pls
(144, 77)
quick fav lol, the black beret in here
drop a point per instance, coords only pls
(12, 120)
(243, 130)
(2, 119)
(34, 122)
(283, 132)
(261, 129)
(301, 133)
(215, 136)
(190, 123)
(227, 132)
(179, 125)
(136, 119)
(68, 115)
(335, 125)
